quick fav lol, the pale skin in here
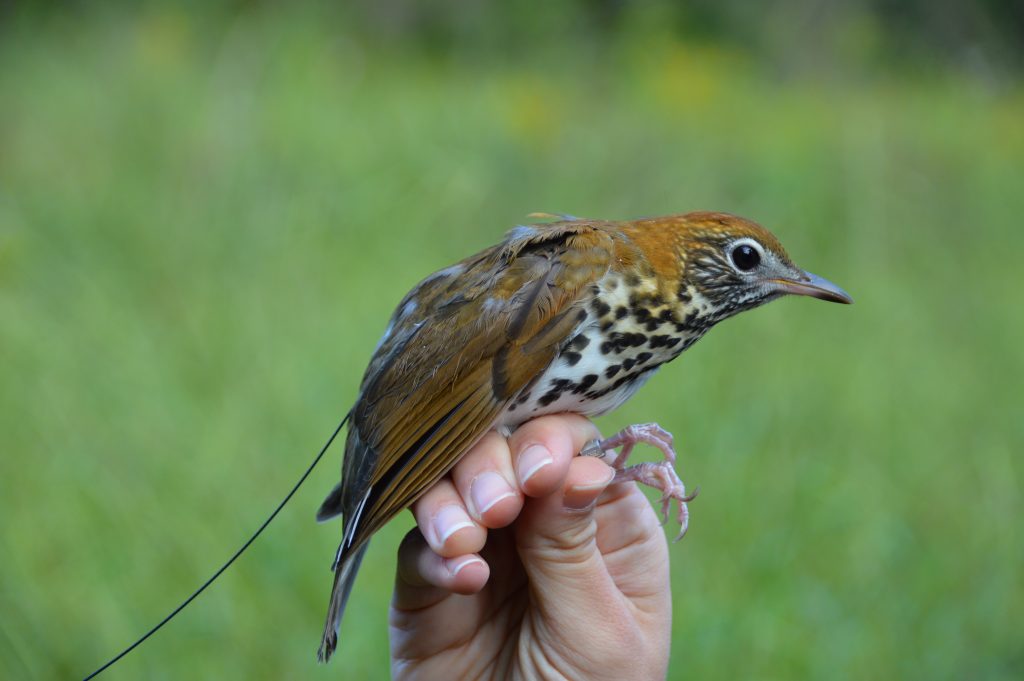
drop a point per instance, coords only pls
(573, 581)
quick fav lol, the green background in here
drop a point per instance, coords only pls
(207, 213)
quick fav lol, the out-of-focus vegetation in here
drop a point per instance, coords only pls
(207, 212)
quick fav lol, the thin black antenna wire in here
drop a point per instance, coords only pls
(231, 560)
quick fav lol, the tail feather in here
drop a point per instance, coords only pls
(332, 504)
(344, 578)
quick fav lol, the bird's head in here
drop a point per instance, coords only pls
(734, 265)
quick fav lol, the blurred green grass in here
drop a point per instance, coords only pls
(203, 231)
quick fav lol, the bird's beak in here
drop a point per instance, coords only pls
(814, 286)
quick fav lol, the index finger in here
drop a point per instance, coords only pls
(542, 449)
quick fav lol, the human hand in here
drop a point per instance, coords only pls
(573, 582)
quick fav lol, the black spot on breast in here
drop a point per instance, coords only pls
(690, 323)
(642, 314)
(572, 358)
(643, 357)
(549, 398)
(584, 385)
(621, 312)
(652, 325)
(632, 280)
(671, 342)
(607, 326)
(611, 371)
(600, 307)
(627, 365)
(658, 341)
(623, 379)
(579, 342)
(618, 342)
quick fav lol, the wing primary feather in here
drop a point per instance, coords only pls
(399, 466)
(440, 455)
(405, 435)
(350, 529)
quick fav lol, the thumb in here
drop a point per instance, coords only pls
(556, 540)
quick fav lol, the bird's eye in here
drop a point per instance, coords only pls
(745, 257)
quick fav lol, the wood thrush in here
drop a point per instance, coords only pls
(568, 316)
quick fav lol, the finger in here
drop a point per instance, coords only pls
(428, 615)
(556, 538)
(425, 578)
(487, 484)
(632, 543)
(445, 523)
(542, 449)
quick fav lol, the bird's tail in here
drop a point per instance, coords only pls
(344, 578)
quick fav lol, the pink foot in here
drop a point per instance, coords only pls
(661, 476)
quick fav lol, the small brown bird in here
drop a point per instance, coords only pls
(568, 316)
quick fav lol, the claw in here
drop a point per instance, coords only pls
(661, 476)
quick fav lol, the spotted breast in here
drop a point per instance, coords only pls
(630, 330)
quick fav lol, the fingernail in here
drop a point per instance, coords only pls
(581, 497)
(487, 490)
(448, 521)
(456, 566)
(532, 460)
(596, 485)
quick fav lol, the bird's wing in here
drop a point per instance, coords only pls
(460, 346)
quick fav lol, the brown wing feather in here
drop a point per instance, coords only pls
(460, 346)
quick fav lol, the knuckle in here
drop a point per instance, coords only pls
(573, 544)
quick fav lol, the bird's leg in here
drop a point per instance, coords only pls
(661, 476)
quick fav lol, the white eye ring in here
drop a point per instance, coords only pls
(750, 261)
